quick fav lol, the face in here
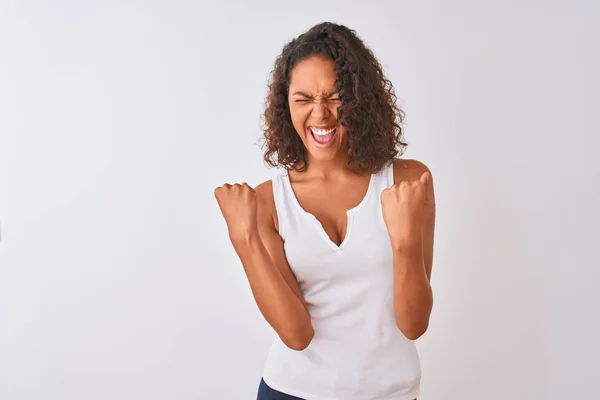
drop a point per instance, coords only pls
(313, 106)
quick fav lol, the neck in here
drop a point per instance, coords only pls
(328, 169)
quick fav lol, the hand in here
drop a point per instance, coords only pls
(406, 207)
(238, 206)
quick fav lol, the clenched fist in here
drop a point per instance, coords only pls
(405, 207)
(238, 206)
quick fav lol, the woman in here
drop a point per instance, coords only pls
(338, 250)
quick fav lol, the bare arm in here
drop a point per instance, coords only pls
(413, 259)
(274, 287)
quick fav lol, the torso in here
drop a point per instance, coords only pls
(347, 283)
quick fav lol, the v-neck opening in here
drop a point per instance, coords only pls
(349, 214)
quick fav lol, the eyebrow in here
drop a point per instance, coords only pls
(309, 96)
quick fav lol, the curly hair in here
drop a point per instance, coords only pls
(368, 103)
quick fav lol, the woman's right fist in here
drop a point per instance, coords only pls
(238, 206)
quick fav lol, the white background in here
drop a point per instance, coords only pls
(118, 119)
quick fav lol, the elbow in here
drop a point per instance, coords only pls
(297, 344)
(412, 332)
(299, 339)
(413, 335)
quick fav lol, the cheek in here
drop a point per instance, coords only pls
(299, 117)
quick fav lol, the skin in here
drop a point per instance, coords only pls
(327, 189)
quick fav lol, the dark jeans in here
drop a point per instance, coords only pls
(265, 392)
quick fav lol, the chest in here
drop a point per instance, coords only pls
(331, 204)
(364, 255)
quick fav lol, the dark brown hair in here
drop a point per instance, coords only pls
(368, 110)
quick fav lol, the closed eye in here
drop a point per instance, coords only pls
(304, 101)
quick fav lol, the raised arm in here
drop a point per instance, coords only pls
(409, 213)
(251, 224)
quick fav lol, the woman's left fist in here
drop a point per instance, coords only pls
(406, 206)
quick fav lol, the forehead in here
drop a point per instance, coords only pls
(314, 74)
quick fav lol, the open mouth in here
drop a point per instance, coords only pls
(323, 137)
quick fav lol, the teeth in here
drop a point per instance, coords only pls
(321, 132)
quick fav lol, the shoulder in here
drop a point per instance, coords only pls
(265, 188)
(408, 169)
(266, 202)
(264, 192)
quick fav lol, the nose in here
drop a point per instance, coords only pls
(320, 109)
